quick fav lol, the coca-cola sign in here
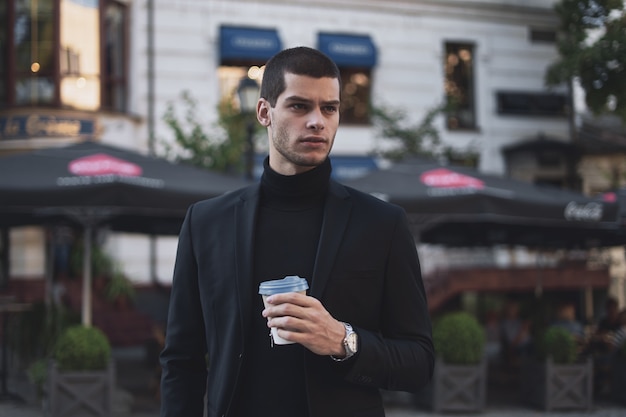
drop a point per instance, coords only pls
(589, 212)
(102, 164)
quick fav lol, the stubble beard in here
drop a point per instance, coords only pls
(281, 143)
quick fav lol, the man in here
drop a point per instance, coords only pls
(363, 325)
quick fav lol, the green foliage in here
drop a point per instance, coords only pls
(560, 345)
(220, 149)
(410, 140)
(82, 348)
(119, 286)
(101, 262)
(421, 139)
(37, 330)
(592, 49)
(459, 338)
(37, 374)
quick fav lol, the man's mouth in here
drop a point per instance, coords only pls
(314, 140)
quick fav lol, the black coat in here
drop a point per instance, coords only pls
(366, 273)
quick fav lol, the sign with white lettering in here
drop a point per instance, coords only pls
(27, 126)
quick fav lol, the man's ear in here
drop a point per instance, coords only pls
(263, 112)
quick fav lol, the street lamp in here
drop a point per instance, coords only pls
(248, 93)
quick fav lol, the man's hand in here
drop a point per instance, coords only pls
(303, 319)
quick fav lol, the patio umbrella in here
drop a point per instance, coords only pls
(91, 185)
(459, 206)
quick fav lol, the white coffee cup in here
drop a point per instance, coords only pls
(291, 283)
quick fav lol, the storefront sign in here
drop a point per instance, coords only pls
(36, 125)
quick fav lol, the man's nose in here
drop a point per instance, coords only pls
(316, 119)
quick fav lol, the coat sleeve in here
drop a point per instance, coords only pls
(399, 355)
(183, 380)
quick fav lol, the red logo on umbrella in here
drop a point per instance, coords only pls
(102, 164)
(444, 178)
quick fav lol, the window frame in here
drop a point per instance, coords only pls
(10, 77)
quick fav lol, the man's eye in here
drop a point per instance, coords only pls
(298, 106)
(331, 109)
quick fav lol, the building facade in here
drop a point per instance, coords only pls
(107, 70)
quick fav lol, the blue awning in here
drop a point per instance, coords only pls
(348, 50)
(239, 43)
(349, 167)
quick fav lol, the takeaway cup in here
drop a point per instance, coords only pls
(291, 283)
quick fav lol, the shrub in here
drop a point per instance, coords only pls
(459, 339)
(560, 345)
(82, 348)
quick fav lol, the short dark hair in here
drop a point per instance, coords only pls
(300, 60)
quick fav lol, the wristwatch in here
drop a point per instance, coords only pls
(350, 343)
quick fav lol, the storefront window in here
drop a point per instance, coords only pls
(33, 40)
(79, 60)
(52, 54)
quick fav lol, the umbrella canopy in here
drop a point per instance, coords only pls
(103, 184)
(92, 184)
(459, 206)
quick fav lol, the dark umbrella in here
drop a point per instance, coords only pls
(459, 206)
(93, 184)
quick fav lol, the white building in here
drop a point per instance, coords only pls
(491, 55)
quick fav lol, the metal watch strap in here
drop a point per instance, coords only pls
(346, 345)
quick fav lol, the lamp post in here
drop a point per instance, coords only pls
(248, 93)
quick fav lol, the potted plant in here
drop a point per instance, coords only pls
(81, 377)
(35, 338)
(558, 378)
(460, 376)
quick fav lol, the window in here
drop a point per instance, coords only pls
(33, 47)
(243, 53)
(230, 76)
(542, 35)
(355, 56)
(4, 35)
(459, 86)
(355, 96)
(531, 104)
(63, 53)
(114, 91)
(79, 61)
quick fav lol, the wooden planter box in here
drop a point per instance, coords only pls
(80, 393)
(618, 379)
(551, 386)
(455, 388)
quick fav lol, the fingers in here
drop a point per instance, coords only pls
(304, 320)
(292, 298)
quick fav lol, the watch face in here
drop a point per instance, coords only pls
(351, 342)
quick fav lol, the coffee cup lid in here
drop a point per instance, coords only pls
(291, 283)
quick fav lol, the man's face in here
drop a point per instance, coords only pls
(303, 124)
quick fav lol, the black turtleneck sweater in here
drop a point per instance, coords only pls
(272, 380)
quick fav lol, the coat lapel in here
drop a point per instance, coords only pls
(336, 215)
(245, 218)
